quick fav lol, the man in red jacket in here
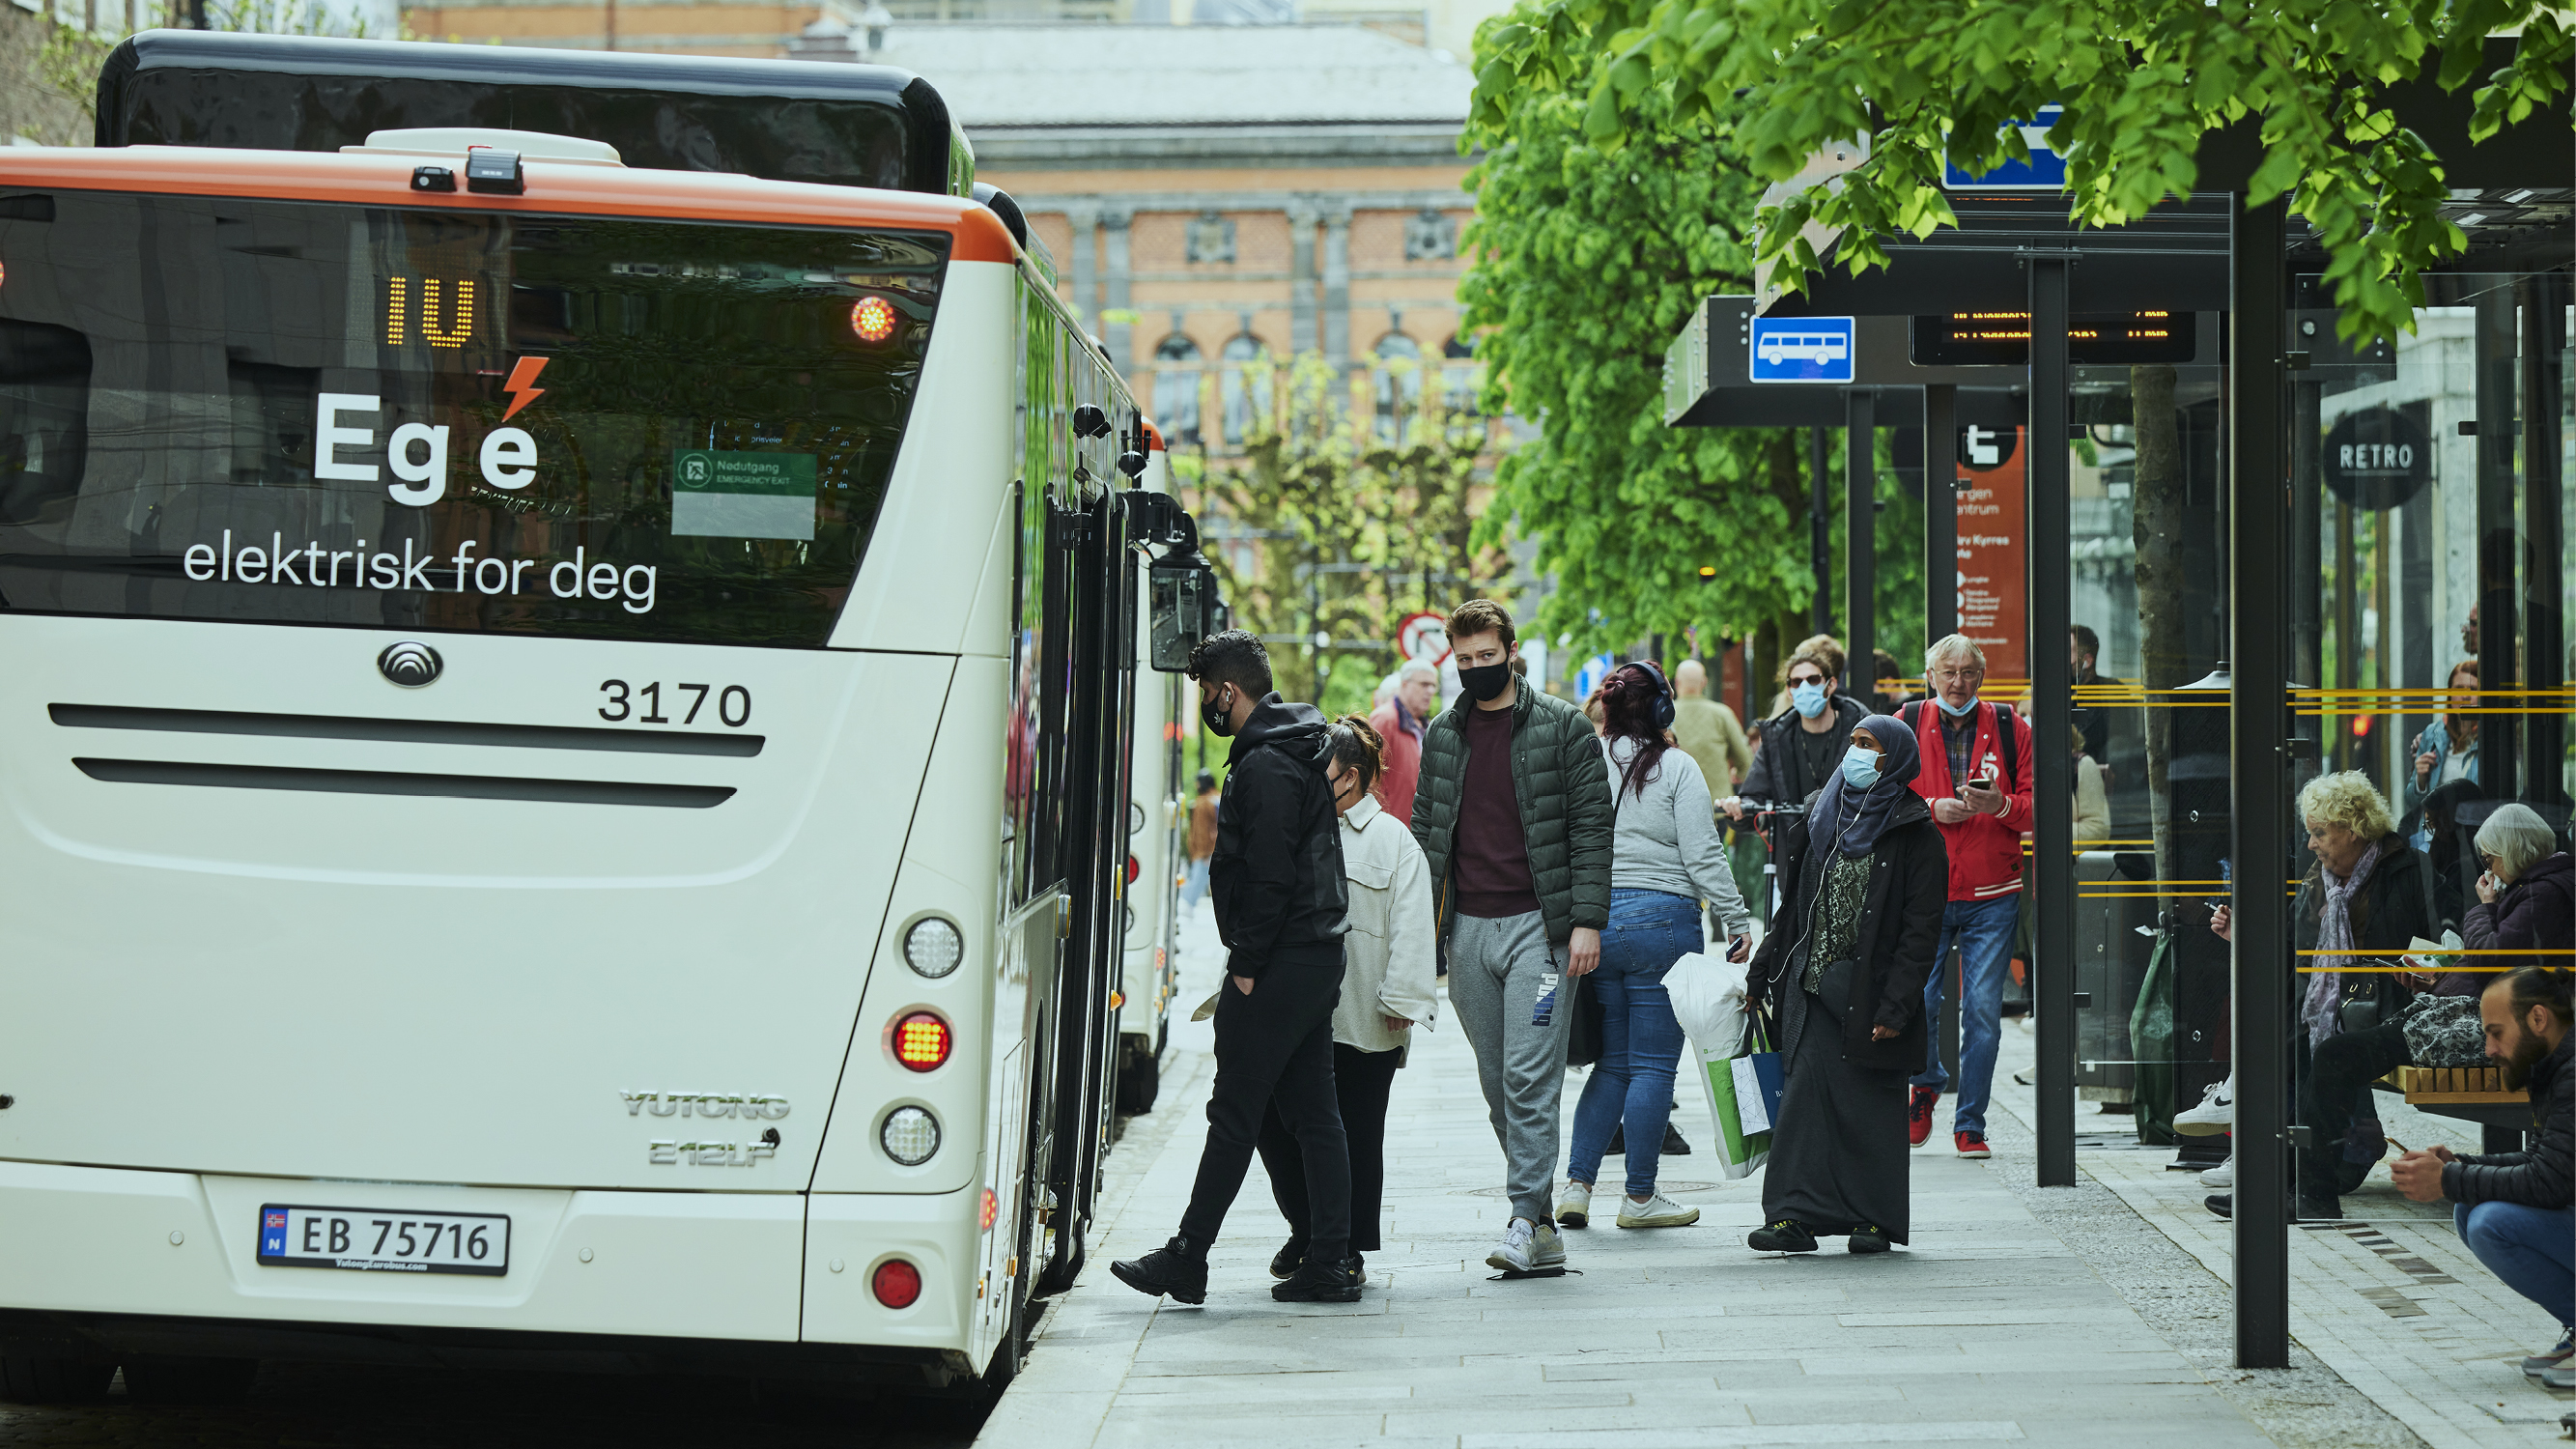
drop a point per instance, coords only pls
(1976, 775)
(1399, 722)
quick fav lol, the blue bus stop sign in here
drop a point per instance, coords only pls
(2044, 171)
(1589, 676)
(1802, 349)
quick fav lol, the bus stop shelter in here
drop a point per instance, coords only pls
(2248, 517)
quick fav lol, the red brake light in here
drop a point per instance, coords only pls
(873, 318)
(1133, 870)
(897, 1283)
(921, 1041)
(992, 1209)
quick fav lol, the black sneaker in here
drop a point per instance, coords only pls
(1674, 1146)
(1178, 1268)
(1784, 1236)
(1284, 1262)
(2221, 1203)
(1869, 1238)
(1315, 1282)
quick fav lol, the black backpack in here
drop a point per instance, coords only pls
(2007, 743)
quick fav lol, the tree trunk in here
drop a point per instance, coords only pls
(2156, 523)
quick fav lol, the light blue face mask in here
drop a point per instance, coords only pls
(1860, 768)
(1955, 711)
(1809, 698)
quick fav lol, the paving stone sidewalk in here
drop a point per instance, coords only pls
(2392, 1301)
(1989, 1328)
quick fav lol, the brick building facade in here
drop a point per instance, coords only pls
(1211, 193)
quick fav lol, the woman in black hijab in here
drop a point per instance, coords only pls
(1842, 974)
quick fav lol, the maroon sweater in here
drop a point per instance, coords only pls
(1492, 856)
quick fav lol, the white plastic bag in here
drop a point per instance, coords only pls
(1708, 1000)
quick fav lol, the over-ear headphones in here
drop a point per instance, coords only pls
(1663, 693)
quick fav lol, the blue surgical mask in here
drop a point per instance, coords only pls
(1809, 698)
(1860, 768)
(1955, 711)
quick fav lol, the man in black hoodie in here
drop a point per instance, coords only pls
(1281, 907)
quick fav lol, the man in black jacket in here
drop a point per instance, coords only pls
(2513, 1209)
(1282, 903)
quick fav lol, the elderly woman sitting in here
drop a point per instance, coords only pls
(2368, 897)
(2527, 897)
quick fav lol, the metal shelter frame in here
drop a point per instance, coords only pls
(2212, 251)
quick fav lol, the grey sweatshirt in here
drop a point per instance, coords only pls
(1667, 838)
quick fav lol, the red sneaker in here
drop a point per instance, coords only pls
(1918, 1116)
(1972, 1144)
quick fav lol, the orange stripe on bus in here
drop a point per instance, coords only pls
(553, 189)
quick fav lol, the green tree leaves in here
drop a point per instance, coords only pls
(1587, 261)
(2141, 83)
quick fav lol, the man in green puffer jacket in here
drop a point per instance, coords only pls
(1513, 812)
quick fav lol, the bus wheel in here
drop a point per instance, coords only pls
(190, 1380)
(1138, 1082)
(29, 1380)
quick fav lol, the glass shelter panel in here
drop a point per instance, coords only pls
(2429, 649)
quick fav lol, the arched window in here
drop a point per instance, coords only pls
(1399, 383)
(1236, 391)
(1176, 389)
(1460, 377)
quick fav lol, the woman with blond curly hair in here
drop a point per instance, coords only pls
(2367, 897)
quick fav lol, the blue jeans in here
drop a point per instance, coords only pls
(1983, 932)
(1194, 884)
(2532, 1249)
(1641, 1042)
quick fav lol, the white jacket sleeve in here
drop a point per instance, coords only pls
(1703, 852)
(1411, 988)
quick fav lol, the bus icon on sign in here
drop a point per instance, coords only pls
(1802, 349)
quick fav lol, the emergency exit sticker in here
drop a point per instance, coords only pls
(742, 495)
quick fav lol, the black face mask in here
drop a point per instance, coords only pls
(1213, 713)
(1486, 681)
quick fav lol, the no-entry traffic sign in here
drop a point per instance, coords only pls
(1424, 637)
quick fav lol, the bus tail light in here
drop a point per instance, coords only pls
(873, 319)
(922, 1040)
(1133, 870)
(897, 1283)
(933, 947)
(910, 1136)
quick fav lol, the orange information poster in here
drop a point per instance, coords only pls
(1993, 567)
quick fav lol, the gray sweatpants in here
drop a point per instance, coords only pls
(1497, 969)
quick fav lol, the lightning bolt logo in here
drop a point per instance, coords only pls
(522, 386)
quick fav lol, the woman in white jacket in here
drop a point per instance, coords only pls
(1665, 859)
(1387, 987)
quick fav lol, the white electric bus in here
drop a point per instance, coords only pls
(568, 730)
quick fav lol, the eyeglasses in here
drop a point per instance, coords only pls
(1961, 675)
(1797, 679)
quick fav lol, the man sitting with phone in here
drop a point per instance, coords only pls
(1976, 777)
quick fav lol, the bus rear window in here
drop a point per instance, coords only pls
(286, 412)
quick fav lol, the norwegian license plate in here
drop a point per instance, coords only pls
(371, 1240)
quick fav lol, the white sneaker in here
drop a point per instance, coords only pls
(2223, 1175)
(1657, 1211)
(1547, 1247)
(1574, 1204)
(2215, 1114)
(1528, 1247)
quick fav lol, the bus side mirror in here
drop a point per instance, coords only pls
(1185, 609)
(1180, 585)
